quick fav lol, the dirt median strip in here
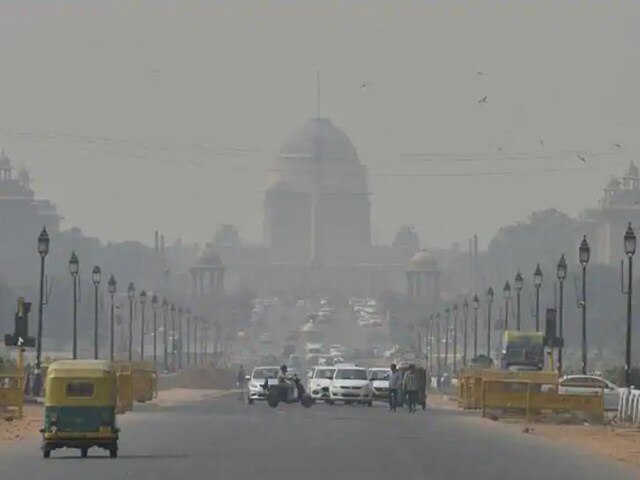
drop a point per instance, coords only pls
(14, 429)
(180, 396)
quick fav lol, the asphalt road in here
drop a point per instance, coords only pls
(227, 440)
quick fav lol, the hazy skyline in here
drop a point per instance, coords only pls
(164, 115)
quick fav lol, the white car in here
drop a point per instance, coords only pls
(351, 385)
(255, 385)
(320, 382)
(379, 378)
(590, 384)
(363, 322)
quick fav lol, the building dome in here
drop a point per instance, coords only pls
(424, 261)
(209, 258)
(633, 171)
(320, 139)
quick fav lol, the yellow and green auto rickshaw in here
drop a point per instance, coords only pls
(80, 407)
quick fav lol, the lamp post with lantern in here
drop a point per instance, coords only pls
(447, 325)
(465, 312)
(455, 337)
(629, 250)
(131, 293)
(489, 303)
(74, 267)
(537, 282)
(96, 276)
(584, 254)
(507, 298)
(112, 285)
(561, 271)
(173, 337)
(475, 301)
(165, 342)
(518, 284)
(143, 302)
(43, 251)
(154, 304)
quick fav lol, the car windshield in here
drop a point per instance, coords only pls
(325, 373)
(351, 374)
(262, 373)
(379, 374)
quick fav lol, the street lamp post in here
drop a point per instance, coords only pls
(562, 275)
(465, 311)
(584, 253)
(489, 303)
(180, 339)
(165, 343)
(188, 345)
(43, 250)
(96, 275)
(537, 282)
(447, 322)
(173, 337)
(131, 292)
(455, 336)
(518, 284)
(476, 305)
(507, 298)
(195, 339)
(438, 364)
(112, 291)
(143, 301)
(154, 304)
(629, 250)
(74, 267)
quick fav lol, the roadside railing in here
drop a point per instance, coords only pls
(629, 406)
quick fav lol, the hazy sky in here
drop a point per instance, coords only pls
(139, 115)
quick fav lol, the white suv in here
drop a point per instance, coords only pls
(351, 385)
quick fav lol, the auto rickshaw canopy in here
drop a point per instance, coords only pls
(80, 383)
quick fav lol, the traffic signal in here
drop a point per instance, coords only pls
(20, 336)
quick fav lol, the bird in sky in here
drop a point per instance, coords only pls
(581, 158)
(483, 99)
(364, 86)
(480, 72)
(542, 142)
(617, 145)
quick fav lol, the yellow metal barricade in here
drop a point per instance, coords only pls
(12, 391)
(470, 388)
(143, 381)
(530, 393)
(125, 387)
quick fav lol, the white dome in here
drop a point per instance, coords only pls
(424, 261)
(320, 139)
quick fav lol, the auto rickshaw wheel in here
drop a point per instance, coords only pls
(84, 451)
(46, 453)
(113, 452)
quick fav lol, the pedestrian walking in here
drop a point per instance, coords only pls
(410, 387)
(240, 382)
(395, 383)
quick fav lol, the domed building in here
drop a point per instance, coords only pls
(317, 225)
(318, 208)
(423, 279)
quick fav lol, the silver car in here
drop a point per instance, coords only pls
(589, 385)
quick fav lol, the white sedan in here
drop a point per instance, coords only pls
(590, 384)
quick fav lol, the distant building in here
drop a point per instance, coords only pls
(317, 225)
(619, 205)
(21, 219)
